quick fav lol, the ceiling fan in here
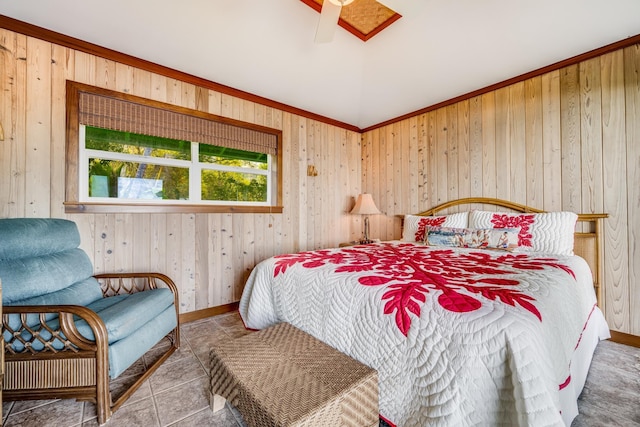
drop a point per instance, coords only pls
(330, 14)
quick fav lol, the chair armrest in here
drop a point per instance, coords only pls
(44, 332)
(129, 283)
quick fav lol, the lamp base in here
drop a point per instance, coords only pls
(367, 241)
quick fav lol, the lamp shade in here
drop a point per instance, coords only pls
(365, 206)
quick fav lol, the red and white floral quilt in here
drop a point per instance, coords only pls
(458, 336)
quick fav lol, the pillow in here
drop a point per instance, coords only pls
(415, 227)
(480, 238)
(550, 232)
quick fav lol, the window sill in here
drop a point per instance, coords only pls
(76, 207)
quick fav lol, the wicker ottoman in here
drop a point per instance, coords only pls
(282, 376)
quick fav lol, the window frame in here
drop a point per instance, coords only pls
(77, 155)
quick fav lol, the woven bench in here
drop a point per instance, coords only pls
(282, 376)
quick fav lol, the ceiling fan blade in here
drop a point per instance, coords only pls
(328, 22)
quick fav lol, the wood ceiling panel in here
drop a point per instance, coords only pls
(362, 18)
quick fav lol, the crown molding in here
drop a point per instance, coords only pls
(50, 36)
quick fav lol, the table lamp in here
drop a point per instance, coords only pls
(365, 206)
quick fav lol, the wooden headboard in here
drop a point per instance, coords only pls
(587, 242)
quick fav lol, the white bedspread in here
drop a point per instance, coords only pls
(459, 337)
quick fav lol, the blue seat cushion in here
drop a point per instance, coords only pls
(125, 352)
(124, 314)
(81, 293)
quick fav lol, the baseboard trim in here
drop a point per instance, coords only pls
(207, 312)
(627, 339)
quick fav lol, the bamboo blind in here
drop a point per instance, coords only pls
(126, 116)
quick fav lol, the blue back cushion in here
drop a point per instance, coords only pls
(40, 256)
(32, 237)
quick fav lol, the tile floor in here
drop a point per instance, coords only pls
(177, 394)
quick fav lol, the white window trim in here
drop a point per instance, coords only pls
(194, 166)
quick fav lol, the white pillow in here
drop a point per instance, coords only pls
(415, 227)
(550, 232)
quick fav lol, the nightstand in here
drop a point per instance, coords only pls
(356, 242)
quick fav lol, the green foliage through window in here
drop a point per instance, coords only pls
(126, 165)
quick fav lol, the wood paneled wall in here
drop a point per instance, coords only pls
(208, 255)
(566, 140)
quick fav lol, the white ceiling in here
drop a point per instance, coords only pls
(439, 49)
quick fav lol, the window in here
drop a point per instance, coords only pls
(132, 167)
(130, 154)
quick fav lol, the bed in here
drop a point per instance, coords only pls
(476, 317)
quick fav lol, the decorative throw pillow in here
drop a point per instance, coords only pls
(497, 238)
(550, 232)
(415, 226)
(481, 238)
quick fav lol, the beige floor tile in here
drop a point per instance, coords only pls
(229, 319)
(6, 408)
(136, 369)
(141, 413)
(25, 405)
(89, 414)
(177, 394)
(183, 401)
(222, 418)
(157, 351)
(184, 351)
(237, 331)
(174, 374)
(202, 343)
(58, 413)
(201, 329)
(120, 387)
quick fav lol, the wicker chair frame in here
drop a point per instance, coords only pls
(80, 369)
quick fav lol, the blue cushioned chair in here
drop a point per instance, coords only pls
(66, 331)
